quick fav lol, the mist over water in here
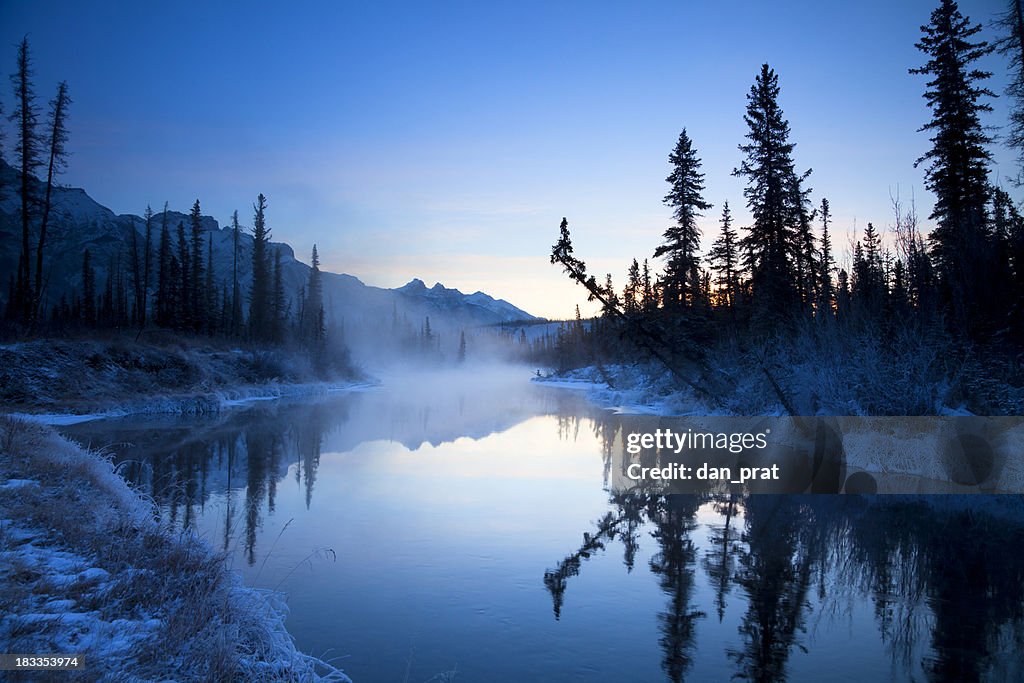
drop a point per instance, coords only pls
(462, 519)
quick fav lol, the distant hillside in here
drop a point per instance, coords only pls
(79, 222)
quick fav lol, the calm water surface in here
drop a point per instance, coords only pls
(463, 523)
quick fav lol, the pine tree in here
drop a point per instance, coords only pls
(825, 261)
(136, 272)
(260, 304)
(209, 291)
(648, 298)
(461, 358)
(426, 335)
(806, 255)
(197, 300)
(772, 192)
(843, 294)
(723, 257)
(236, 297)
(610, 306)
(25, 117)
(183, 309)
(147, 258)
(56, 162)
(869, 289)
(957, 170)
(632, 292)
(310, 324)
(682, 240)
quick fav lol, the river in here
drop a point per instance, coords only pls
(462, 527)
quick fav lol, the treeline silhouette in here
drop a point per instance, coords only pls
(164, 277)
(944, 310)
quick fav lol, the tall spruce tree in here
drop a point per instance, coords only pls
(682, 240)
(197, 290)
(209, 291)
(260, 304)
(135, 255)
(772, 192)
(236, 297)
(26, 150)
(310, 326)
(805, 251)
(957, 163)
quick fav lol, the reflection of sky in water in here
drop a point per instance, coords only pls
(440, 552)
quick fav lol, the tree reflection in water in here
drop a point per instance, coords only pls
(240, 455)
(944, 574)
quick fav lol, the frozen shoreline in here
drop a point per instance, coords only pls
(200, 404)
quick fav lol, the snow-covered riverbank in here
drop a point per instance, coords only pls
(62, 382)
(638, 389)
(86, 569)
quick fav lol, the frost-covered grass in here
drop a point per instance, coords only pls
(85, 568)
(120, 377)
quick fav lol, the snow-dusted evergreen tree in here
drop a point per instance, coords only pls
(772, 193)
(957, 163)
(682, 240)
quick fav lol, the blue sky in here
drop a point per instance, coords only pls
(445, 141)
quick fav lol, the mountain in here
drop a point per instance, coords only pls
(365, 313)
